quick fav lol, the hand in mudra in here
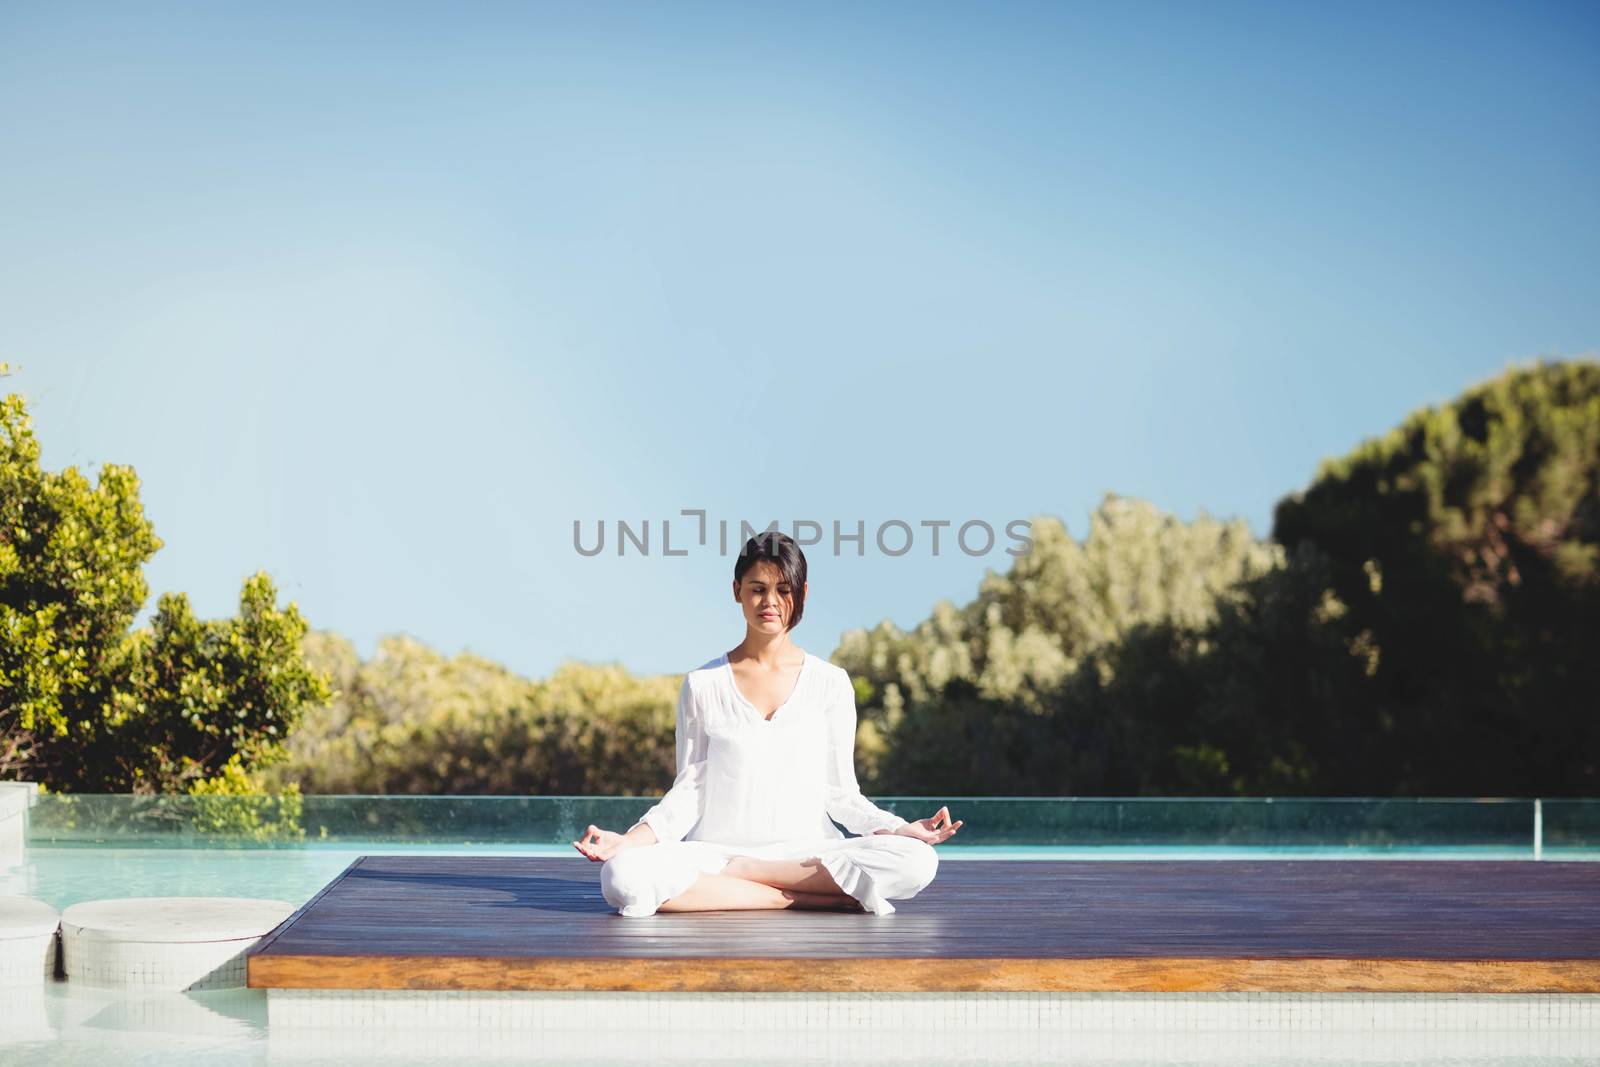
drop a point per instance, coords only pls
(600, 845)
(934, 829)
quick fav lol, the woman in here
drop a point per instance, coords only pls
(766, 762)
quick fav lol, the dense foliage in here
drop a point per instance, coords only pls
(1422, 621)
(1425, 625)
(410, 721)
(1416, 626)
(1465, 545)
(86, 703)
(970, 694)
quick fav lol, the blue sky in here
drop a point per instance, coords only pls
(381, 297)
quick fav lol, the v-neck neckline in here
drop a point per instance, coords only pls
(733, 683)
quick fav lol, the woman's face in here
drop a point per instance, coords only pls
(766, 598)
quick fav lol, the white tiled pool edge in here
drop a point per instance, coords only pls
(28, 941)
(27, 961)
(795, 1012)
(146, 966)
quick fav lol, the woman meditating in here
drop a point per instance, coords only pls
(766, 762)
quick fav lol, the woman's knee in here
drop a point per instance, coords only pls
(619, 879)
(922, 864)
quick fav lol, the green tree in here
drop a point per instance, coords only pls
(71, 582)
(1465, 545)
(1424, 623)
(85, 703)
(1030, 631)
(1272, 696)
(412, 721)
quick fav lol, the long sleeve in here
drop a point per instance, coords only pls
(675, 814)
(846, 804)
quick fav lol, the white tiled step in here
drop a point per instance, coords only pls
(905, 1044)
(373, 1011)
(27, 941)
(165, 942)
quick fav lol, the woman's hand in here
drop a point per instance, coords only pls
(934, 829)
(600, 845)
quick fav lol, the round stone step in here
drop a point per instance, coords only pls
(27, 941)
(165, 942)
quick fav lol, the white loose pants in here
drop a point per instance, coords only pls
(874, 869)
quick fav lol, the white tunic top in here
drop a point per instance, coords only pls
(745, 780)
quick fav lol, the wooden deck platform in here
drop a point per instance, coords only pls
(540, 923)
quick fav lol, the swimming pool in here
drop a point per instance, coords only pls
(87, 848)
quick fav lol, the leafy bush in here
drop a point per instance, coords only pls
(87, 705)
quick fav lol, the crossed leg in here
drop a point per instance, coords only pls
(747, 883)
(808, 876)
(709, 876)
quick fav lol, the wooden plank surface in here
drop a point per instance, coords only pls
(506, 922)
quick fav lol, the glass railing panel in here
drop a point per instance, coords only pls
(1377, 823)
(1367, 823)
(1570, 826)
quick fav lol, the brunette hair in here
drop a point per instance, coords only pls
(781, 551)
